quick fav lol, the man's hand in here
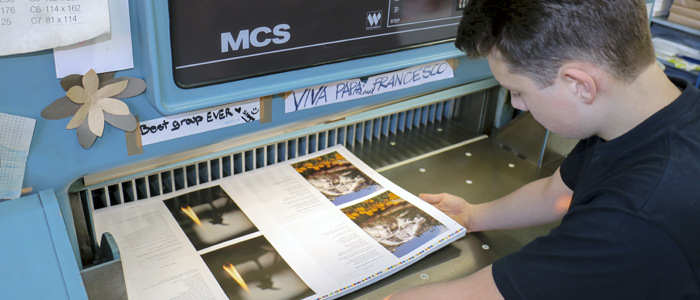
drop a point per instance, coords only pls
(455, 207)
(539, 202)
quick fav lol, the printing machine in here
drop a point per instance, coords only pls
(457, 135)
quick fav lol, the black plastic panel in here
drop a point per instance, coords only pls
(223, 40)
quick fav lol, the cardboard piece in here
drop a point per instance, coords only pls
(60, 109)
(96, 120)
(78, 95)
(133, 139)
(106, 76)
(692, 4)
(27, 190)
(77, 80)
(95, 100)
(265, 109)
(135, 86)
(91, 83)
(114, 106)
(79, 116)
(85, 137)
(110, 90)
(124, 122)
(454, 63)
(71, 80)
(90, 100)
(683, 20)
(684, 11)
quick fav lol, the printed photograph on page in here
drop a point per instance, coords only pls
(336, 178)
(395, 223)
(209, 216)
(253, 269)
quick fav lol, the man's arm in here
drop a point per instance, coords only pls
(479, 285)
(538, 202)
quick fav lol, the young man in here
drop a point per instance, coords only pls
(628, 195)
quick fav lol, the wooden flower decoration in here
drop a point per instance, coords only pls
(92, 101)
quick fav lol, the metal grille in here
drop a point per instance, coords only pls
(193, 174)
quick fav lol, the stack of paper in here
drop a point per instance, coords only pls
(685, 12)
(314, 227)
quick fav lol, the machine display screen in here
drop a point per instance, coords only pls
(216, 41)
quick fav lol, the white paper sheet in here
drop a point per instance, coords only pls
(106, 53)
(156, 255)
(33, 25)
(352, 89)
(15, 138)
(313, 227)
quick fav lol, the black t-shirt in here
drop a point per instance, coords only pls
(633, 228)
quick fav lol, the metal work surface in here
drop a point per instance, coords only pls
(479, 172)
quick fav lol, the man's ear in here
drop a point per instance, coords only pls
(580, 82)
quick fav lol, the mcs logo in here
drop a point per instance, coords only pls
(374, 20)
(246, 38)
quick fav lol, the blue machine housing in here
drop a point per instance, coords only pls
(56, 160)
(168, 98)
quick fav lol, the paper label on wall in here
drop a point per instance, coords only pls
(352, 89)
(33, 25)
(15, 138)
(105, 53)
(172, 127)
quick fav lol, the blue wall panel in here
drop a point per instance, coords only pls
(28, 84)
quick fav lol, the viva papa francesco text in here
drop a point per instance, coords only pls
(326, 94)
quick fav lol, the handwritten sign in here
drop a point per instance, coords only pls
(33, 25)
(172, 127)
(352, 89)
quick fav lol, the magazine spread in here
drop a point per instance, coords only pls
(314, 227)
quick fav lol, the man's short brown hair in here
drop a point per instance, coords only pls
(535, 37)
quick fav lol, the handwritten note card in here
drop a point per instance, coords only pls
(172, 127)
(15, 137)
(33, 25)
(352, 89)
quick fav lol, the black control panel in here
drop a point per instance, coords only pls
(216, 41)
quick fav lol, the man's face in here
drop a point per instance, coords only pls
(553, 106)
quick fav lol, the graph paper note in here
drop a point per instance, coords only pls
(15, 137)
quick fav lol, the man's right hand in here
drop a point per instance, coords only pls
(539, 202)
(455, 207)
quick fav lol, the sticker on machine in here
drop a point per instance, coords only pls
(353, 89)
(172, 127)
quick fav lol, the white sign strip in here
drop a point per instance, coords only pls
(352, 89)
(32, 25)
(172, 127)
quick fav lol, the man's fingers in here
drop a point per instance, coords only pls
(430, 198)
